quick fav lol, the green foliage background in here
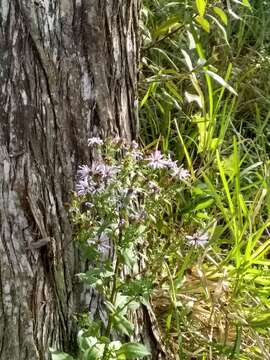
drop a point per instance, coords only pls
(204, 97)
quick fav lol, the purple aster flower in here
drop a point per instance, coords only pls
(83, 171)
(95, 141)
(102, 243)
(170, 163)
(104, 170)
(180, 173)
(199, 238)
(156, 160)
(82, 187)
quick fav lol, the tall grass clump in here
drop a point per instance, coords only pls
(204, 90)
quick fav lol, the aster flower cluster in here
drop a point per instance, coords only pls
(124, 213)
(100, 174)
(93, 179)
(158, 161)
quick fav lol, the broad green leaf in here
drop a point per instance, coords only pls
(133, 351)
(214, 142)
(129, 256)
(221, 81)
(223, 17)
(260, 251)
(203, 23)
(95, 277)
(201, 6)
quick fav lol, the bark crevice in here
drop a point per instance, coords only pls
(64, 76)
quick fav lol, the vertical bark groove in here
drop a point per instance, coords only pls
(67, 71)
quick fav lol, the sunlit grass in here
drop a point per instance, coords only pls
(212, 301)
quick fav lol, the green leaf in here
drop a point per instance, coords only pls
(150, 91)
(187, 60)
(203, 23)
(228, 166)
(247, 4)
(223, 17)
(121, 323)
(237, 344)
(58, 355)
(223, 30)
(203, 204)
(201, 6)
(96, 276)
(166, 26)
(192, 43)
(129, 257)
(133, 351)
(261, 321)
(221, 81)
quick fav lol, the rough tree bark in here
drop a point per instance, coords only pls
(67, 72)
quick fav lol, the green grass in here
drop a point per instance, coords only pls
(205, 99)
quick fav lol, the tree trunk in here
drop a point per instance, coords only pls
(67, 72)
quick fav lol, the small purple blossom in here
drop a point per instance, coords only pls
(101, 242)
(156, 160)
(83, 171)
(86, 186)
(95, 141)
(180, 173)
(104, 170)
(199, 238)
(170, 164)
(82, 187)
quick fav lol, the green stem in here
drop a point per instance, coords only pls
(112, 300)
